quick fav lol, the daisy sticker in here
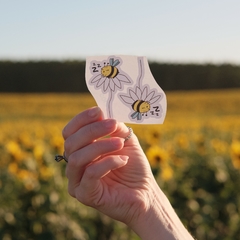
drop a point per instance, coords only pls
(124, 88)
(108, 77)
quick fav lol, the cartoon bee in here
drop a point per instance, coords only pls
(140, 101)
(140, 107)
(110, 76)
(110, 71)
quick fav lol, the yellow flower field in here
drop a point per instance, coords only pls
(195, 157)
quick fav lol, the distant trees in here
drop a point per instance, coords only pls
(69, 76)
(42, 76)
(193, 76)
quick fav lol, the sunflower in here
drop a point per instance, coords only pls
(235, 153)
(166, 173)
(153, 136)
(156, 156)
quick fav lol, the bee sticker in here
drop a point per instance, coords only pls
(108, 76)
(125, 89)
(142, 103)
(143, 100)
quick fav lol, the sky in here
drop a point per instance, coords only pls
(206, 31)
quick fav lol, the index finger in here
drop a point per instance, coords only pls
(88, 116)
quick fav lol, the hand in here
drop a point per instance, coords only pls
(114, 176)
(108, 174)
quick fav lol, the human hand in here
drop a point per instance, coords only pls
(114, 176)
(108, 174)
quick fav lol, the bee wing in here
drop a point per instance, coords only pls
(134, 115)
(115, 63)
(155, 99)
(111, 61)
(133, 95)
(96, 78)
(139, 116)
(123, 78)
(126, 99)
(149, 96)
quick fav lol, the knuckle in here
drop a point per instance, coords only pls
(71, 192)
(68, 144)
(90, 172)
(72, 161)
(64, 132)
(92, 129)
(99, 147)
(82, 197)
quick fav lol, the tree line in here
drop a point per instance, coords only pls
(69, 76)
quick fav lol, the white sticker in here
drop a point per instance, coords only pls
(125, 89)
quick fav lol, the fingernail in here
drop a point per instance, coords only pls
(117, 142)
(109, 123)
(124, 158)
(93, 112)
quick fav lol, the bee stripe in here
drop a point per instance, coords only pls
(139, 105)
(136, 105)
(113, 73)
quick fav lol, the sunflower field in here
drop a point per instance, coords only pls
(194, 155)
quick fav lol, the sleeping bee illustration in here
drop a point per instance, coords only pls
(110, 76)
(110, 71)
(140, 107)
(141, 101)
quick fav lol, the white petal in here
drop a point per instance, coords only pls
(144, 93)
(117, 82)
(149, 96)
(106, 84)
(96, 78)
(112, 85)
(127, 99)
(123, 78)
(139, 93)
(133, 95)
(155, 99)
(101, 81)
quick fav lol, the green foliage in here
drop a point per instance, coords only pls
(45, 211)
(204, 189)
(42, 76)
(69, 76)
(205, 194)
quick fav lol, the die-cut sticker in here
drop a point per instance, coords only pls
(124, 88)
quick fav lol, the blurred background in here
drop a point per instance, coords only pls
(193, 50)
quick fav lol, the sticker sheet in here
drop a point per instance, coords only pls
(125, 89)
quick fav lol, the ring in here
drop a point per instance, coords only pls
(130, 134)
(59, 158)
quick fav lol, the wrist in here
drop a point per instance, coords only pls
(159, 220)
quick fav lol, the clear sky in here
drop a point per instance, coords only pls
(162, 30)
